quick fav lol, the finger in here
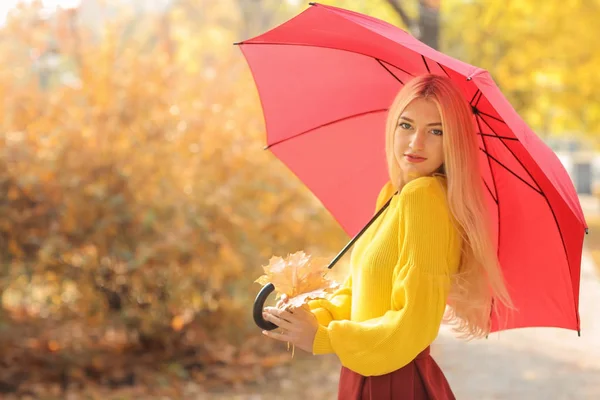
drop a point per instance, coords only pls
(283, 299)
(280, 313)
(277, 321)
(282, 337)
(272, 310)
(303, 311)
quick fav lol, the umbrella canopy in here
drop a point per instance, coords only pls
(326, 79)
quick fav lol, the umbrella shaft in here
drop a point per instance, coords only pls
(363, 230)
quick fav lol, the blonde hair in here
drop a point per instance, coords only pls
(478, 285)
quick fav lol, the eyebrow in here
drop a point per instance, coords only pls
(410, 120)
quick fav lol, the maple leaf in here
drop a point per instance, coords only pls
(299, 276)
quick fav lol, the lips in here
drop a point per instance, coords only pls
(414, 158)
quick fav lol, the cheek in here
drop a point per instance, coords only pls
(399, 144)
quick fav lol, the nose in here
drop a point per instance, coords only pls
(418, 140)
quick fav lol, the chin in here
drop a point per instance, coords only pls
(414, 175)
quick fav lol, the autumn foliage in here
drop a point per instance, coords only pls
(137, 204)
(300, 277)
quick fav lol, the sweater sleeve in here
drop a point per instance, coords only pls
(336, 307)
(421, 283)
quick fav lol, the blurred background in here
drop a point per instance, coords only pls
(137, 204)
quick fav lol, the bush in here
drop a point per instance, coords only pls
(137, 202)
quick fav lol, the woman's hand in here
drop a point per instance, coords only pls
(283, 301)
(298, 326)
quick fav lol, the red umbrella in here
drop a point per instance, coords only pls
(326, 79)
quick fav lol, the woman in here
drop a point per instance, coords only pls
(431, 247)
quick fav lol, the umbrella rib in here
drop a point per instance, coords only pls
(491, 116)
(474, 96)
(497, 197)
(490, 191)
(512, 172)
(425, 62)
(387, 69)
(479, 98)
(443, 69)
(381, 62)
(513, 154)
(324, 125)
(497, 137)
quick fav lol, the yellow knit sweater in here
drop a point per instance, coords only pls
(391, 306)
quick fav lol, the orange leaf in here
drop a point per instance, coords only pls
(177, 323)
(278, 359)
(53, 346)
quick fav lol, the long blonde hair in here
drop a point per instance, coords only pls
(478, 286)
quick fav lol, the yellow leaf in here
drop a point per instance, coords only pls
(299, 276)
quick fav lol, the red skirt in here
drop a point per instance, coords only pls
(421, 379)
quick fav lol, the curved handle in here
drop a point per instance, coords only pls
(259, 304)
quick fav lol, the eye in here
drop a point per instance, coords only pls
(404, 125)
(437, 132)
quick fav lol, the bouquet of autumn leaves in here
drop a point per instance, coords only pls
(299, 276)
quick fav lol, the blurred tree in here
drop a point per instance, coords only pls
(540, 53)
(135, 194)
(426, 27)
(258, 16)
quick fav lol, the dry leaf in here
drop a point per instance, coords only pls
(301, 277)
(177, 323)
(53, 346)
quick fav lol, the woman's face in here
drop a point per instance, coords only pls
(418, 144)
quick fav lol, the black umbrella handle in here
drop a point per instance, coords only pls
(259, 304)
